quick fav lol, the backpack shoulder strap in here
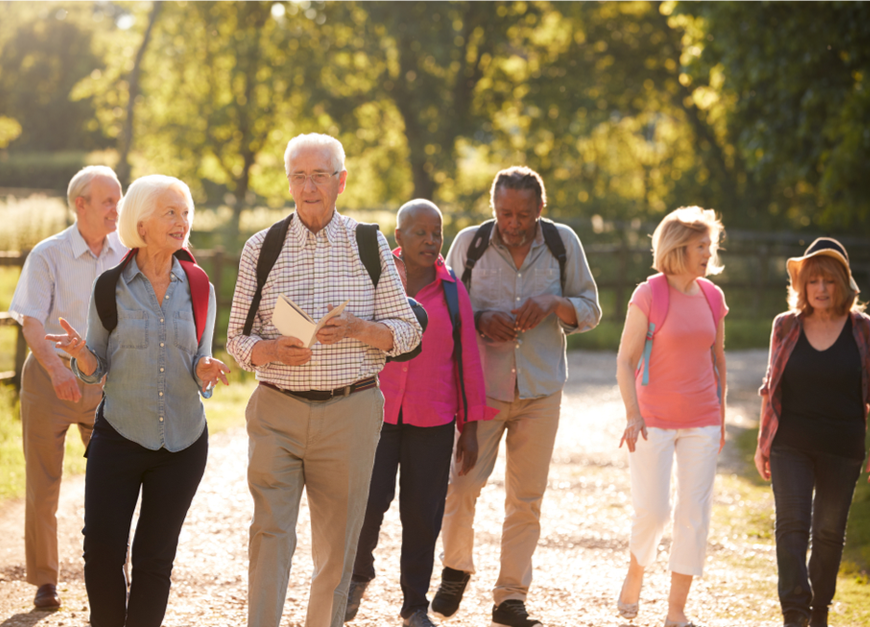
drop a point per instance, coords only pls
(104, 293)
(269, 253)
(369, 250)
(714, 299)
(658, 311)
(199, 289)
(476, 249)
(557, 247)
(451, 295)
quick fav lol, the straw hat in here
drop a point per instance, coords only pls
(829, 247)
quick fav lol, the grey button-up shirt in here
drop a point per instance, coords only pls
(152, 391)
(535, 363)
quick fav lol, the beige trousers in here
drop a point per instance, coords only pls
(327, 448)
(530, 426)
(45, 420)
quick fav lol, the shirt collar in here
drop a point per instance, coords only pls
(129, 273)
(80, 246)
(301, 232)
(441, 271)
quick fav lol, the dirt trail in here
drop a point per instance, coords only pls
(580, 561)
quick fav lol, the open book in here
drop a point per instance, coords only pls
(290, 320)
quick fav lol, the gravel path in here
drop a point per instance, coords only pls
(580, 560)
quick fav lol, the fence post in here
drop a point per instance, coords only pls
(762, 253)
(621, 270)
(217, 270)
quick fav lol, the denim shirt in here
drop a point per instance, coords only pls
(152, 393)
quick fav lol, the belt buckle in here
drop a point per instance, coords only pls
(345, 391)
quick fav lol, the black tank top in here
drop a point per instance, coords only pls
(822, 400)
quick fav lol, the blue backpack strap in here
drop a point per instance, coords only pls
(451, 295)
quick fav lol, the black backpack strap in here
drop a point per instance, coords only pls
(557, 247)
(475, 250)
(269, 253)
(104, 293)
(451, 295)
(369, 250)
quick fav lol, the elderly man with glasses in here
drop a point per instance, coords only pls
(315, 419)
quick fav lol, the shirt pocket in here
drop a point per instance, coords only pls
(184, 330)
(546, 281)
(132, 331)
(486, 288)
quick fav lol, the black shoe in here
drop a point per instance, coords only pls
(819, 618)
(449, 595)
(512, 613)
(46, 598)
(795, 619)
(354, 595)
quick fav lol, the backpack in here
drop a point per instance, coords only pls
(481, 241)
(659, 310)
(107, 305)
(369, 253)
(451, 295)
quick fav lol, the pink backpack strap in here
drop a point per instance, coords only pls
(714, 299)
(658, 311)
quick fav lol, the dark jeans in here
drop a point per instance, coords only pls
(795, 475)
(424, 454)
(117, 468)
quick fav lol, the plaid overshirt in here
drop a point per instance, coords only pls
(316, 270)
(783, 338)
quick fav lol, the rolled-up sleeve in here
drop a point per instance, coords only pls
(205, 342)
(391, 305)
(580, 287)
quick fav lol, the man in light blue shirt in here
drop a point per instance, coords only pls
(525, 302)
(56, 281)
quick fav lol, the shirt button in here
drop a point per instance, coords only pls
(161, 344)
(161, 319)
(513, 370)
(161, 370)
(161, 418)
(161, 393)
(519, 274)
(518, 345)
(166, 297)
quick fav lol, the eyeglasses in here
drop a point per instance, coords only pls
(318, 178)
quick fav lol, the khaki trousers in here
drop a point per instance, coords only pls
(531, 426)
(327, 448)
(45, 420)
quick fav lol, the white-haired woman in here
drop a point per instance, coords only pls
(813, 420)
(674, 402)
(154, 347)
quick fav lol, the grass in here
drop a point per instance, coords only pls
(225, 410)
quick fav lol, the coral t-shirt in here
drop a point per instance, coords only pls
(681, 392)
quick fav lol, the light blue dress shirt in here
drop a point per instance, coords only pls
(152, 393)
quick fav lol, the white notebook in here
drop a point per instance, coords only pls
(291, 321)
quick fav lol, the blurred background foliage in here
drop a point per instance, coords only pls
(627, 109)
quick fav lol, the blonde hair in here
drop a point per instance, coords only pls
(315, 140)
(674, 233)
(140, 203)
(79, 185)
(827, 268)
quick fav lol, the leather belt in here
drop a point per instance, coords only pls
(327, 395)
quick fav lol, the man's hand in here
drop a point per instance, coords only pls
(210, 370)
(534, 310)
(286, 350)
(337, 328)
(497, 325)
(466, 448)
(65, 384)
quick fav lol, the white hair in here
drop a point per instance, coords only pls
(140, 203)
(79, 184)
(315, 140)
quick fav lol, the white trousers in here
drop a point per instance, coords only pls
(696, 452)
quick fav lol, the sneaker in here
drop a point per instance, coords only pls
(418, 619)
(449, 595)
(354, 595)
(512, 613)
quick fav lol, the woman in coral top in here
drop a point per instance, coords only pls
(813, 419)
(672, 402)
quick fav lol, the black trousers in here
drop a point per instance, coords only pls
(424, 454)
(117, 468)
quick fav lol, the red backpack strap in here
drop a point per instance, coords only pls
(199, 290)
(714, 299)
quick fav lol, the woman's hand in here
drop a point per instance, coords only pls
(632, 429)
(210, 371)
(71, 342)
(762, 463)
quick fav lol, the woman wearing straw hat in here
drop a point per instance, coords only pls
(813, 411)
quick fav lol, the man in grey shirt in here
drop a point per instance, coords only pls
(525, 304)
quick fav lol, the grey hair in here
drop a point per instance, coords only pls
(410, 207)
(315, 140)
(140, 203)
(79, 184)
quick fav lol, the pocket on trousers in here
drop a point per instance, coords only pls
(132, 330)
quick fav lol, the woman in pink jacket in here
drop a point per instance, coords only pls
(672, 402)
(813, 419)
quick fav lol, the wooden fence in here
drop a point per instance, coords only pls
(755, 267)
